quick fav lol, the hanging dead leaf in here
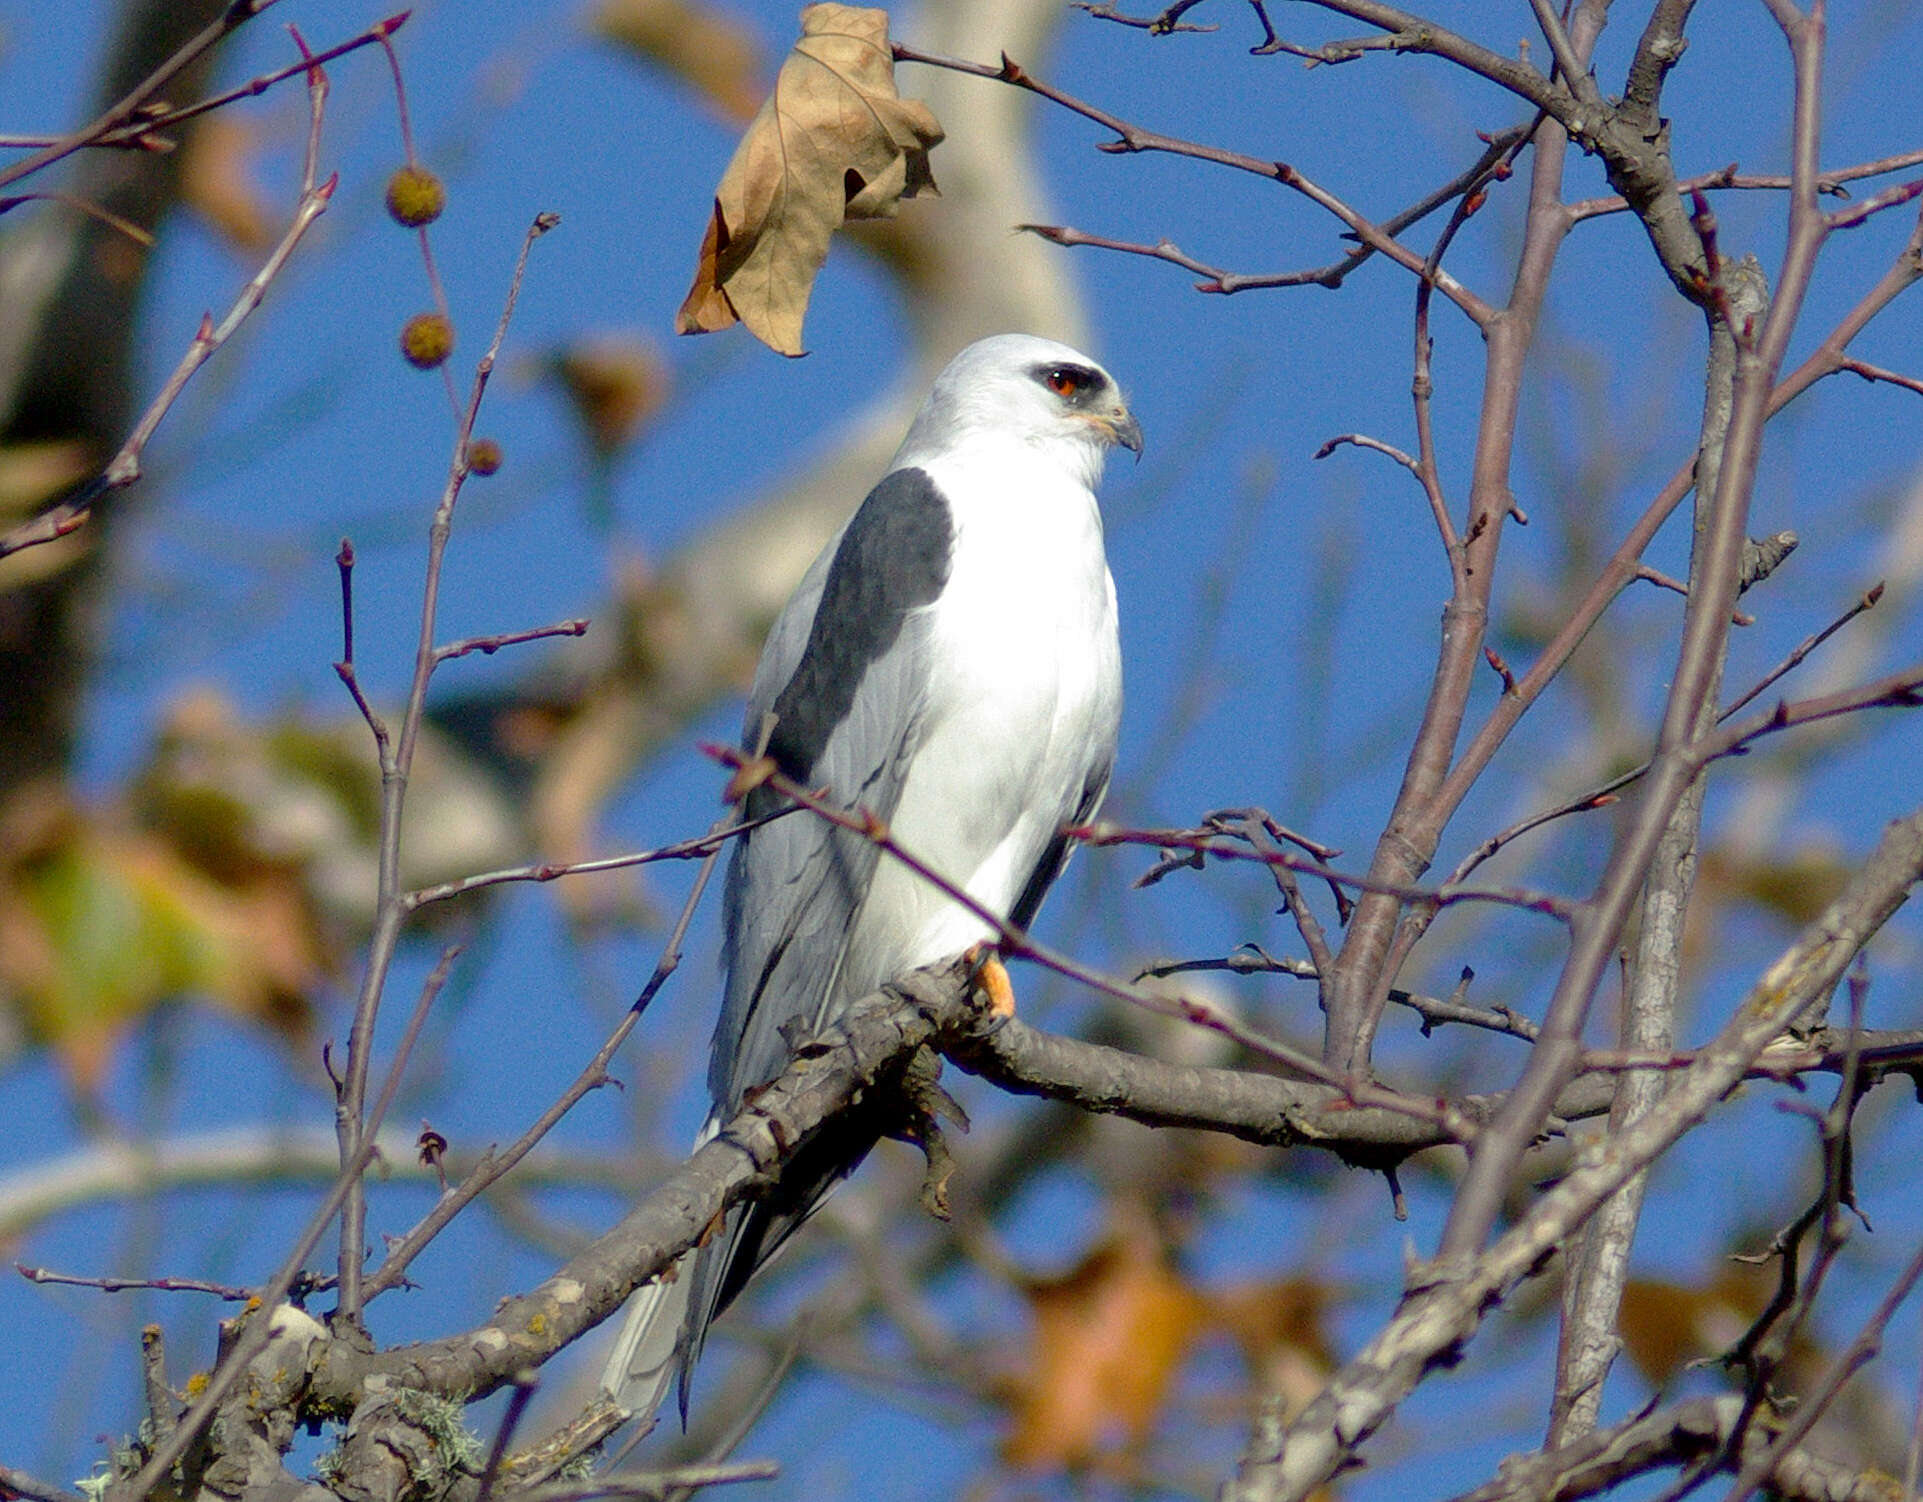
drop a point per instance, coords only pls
(1666, 1324)
(1108, 1340)
(832, 142)
(711, 51)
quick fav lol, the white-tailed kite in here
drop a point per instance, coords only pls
(949, 662)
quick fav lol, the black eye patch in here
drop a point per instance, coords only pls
(1072, 383)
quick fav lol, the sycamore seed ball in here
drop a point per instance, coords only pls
(427, 339)
(415, 196)
(484, 456)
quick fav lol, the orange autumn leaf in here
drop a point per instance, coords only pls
(1108, 1340)
(1279, 1327)
(832, 142)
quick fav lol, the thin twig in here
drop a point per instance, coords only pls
(396, 762)
(125, 467)
(1164, 24)
(653, 1485)
(1830, 184)
(492, 1166)
(144, 1285)
(114, 222)
(1364, 441)
(524, 1385)
(1902, 690)
(695, 849)
(1889, 198)
(1603, 796)
(345, 669)
(129, 105)
(487, 646)
(1866, 601)
(133, 134)
(1205, 842)
(1133, 138)
(1871, 372)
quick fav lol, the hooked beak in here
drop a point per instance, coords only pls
(1121, 428)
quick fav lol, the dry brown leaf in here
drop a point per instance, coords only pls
(1108, 1340)
(1795, 885)
(217, 182)
(1666, 1324)
(101, 922)
(614, 383)
(1279, 1327)
(711, 51)
(832, 142)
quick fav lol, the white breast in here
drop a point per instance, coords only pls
(1027, 699)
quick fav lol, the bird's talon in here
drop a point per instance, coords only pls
(992, 977)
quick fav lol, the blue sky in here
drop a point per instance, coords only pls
(1279, 613)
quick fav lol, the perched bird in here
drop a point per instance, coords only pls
(949, 662)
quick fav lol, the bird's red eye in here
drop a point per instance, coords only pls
(1063, 381)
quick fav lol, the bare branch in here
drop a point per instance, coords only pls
(396, 763)
(128, 108)
(1133, 138)
(1209, 842)
(143, 1285)
(1871, 372)
(1599, 1261)
(1685, 1435)
(1599, 923)
(73, 513)
(698, 848)
(1493, 165)
(20, 1484)
(487, 646)
(1165, 24)
(1447, 1298)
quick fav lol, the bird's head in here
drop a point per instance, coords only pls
(1033, 390)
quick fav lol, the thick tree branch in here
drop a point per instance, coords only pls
(1357, 991)
(1592, 1293)
(1447, 1298)
(1597, 927)
(1685, 1435)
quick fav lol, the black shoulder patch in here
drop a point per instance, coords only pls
(893, 558)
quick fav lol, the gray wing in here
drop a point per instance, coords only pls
(1055, 857)
(845, 677)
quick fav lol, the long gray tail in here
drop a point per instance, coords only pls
(667, 1320)
(646, 1354)
(658, 1342)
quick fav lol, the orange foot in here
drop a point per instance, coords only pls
(992, 976)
